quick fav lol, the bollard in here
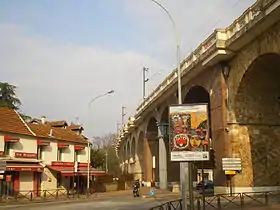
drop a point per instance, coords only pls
(219, 203)
(241, 201)
(266, 198)
(198, 204)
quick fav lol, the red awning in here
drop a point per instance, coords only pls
(79, 147)
(11, 139)
(24, 167)
(61, 169)
(43, 143)
(70, 171)
(62, 145)
(62, 164)
(82, 164)
(83, 171)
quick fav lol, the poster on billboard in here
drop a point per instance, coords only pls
(189, 136)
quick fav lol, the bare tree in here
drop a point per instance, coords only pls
(104, 153)
(104, 141)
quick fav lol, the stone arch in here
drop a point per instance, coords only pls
(171, 166)
(257, 131)
(268, 42)
(151, 150)
(198, 86)
(199, 95)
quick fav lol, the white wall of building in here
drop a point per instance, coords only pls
(83, 155)
(2, 142)
(25, 144)
(68, 154)
(49, 153)
(49, 181)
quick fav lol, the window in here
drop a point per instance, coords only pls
(59, 154)
(58, 180)
(7, 148)
(39, 152)
(76, 153)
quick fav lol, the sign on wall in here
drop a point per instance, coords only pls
(189, 136)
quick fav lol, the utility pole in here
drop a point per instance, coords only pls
(123, 113)
(106, 161)
(118, 126)
(145, 80)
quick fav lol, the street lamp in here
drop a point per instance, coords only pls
(177, 40)
(185, 170)
(89, 150)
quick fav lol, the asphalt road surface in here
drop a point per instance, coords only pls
(118, 203)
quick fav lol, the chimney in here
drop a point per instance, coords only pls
(51, 132)
(43, 120)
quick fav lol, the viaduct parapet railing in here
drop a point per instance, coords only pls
(216, 41)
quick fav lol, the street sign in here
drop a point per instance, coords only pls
(3, 166)
(231, 164)
(230, 172)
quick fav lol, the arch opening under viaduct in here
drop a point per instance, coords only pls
(199, 95)
(257, 123)
(151, 152)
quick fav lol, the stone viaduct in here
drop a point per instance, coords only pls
(237, 72)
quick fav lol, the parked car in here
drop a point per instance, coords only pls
(208, 187)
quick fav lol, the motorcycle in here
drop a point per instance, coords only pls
(136, 192)
(136, 187)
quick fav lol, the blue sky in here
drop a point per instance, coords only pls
(85, 22)
(62, 53)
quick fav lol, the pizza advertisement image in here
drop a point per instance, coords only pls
(189, 136)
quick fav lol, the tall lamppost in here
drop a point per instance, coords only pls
(185, 169)
(89, 150)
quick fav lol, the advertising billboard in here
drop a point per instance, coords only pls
(189, 136)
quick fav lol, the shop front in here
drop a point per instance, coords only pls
(73, 178)
(21, 178)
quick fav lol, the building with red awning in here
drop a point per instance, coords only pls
(42, 155)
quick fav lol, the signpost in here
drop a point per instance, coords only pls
(189, 139)
(230, 166)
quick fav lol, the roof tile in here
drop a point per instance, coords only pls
(44, 131)
(10, 121)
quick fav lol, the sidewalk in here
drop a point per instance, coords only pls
(159, 194)
(63, 199)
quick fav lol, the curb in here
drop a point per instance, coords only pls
(99, 196)
(41, 202)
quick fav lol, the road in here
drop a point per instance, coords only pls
(114, 203)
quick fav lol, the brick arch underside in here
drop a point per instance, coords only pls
(257, 112)
(151, 149)
(173, 168)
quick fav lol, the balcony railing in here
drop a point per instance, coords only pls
(215, 41)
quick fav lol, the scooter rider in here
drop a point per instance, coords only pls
(136, 187)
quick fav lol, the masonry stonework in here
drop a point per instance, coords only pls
(254, 92)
